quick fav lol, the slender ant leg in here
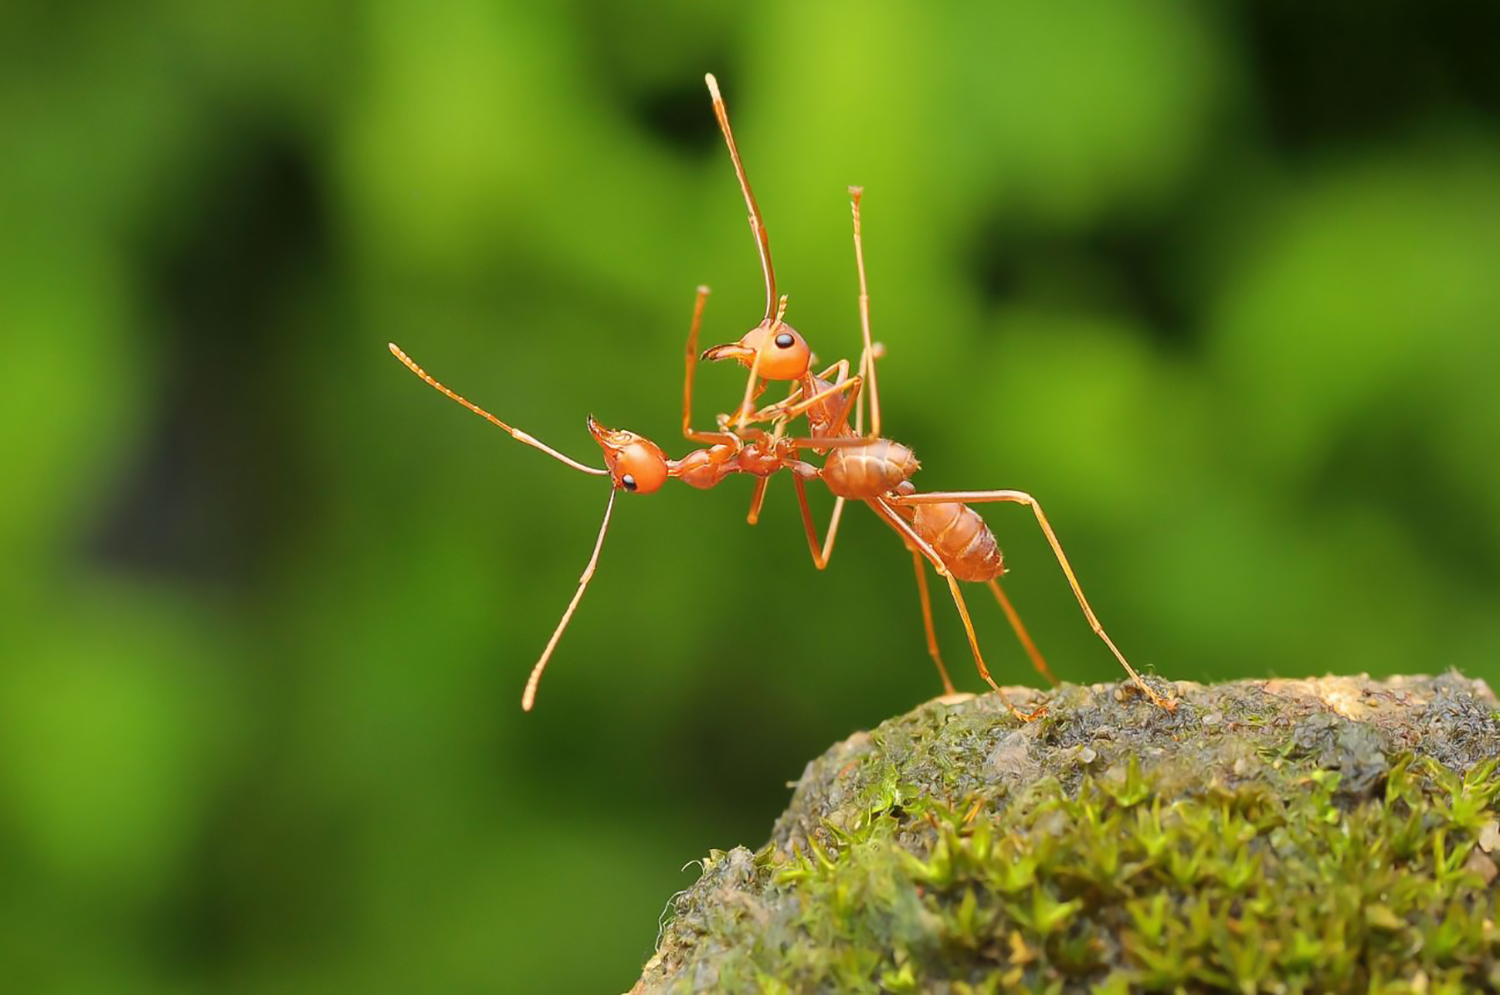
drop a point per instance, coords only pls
(841, 368)
(795, 405)
(867, 355)
(690, 433)
(528, 697)
(757, 499)
(963, 613)
(1021, 497)
(882, 508)
(790, 407)
(820, 557)
(1037, 660)
(932, 646)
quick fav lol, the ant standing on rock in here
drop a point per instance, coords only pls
(937, 527)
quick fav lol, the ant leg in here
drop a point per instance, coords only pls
(1021, 497)
(757, 499)
(900, 524)
(794, 396)
(1037, 660)
(856, 401)
(963, 613)
(528, 697)
(867, 356)
(932, 646)
(820, 557)
(692, 366)
(782, 411)
(832, 437)
(839, 442)
(793, 404)
(839, 371)
(690, 433)
(859, 406)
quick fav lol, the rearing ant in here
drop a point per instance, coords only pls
(938, 526)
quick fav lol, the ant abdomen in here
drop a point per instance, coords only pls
(961, 539)
(863, 472)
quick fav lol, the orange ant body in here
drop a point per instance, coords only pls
(938, 527)
(633, 463)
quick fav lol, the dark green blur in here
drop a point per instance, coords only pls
(1220, 284)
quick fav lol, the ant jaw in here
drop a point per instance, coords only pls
(783, 354)
(730, 350)
(745, 349)
(609, 438)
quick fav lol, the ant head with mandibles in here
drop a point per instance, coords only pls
(784, 354)
(636, 464)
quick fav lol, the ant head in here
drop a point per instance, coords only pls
(784, 354)
(635, 462)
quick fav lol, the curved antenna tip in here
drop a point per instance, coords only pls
(713, 84)
(703, 289)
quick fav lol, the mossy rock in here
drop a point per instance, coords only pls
(1332, 835)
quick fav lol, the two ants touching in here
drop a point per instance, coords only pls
(939, 528)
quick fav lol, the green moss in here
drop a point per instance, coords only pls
(1290, 837)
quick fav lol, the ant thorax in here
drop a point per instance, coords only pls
(705, 468)
(827, 413)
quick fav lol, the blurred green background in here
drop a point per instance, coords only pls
(1218, 283)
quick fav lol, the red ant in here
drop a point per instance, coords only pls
(938, 526)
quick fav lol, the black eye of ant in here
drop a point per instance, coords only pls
(628, 482)
(784, 340)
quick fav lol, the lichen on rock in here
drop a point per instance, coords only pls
(1281, 836)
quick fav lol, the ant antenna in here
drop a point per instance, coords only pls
(528, 697)
(745, 408)
(757, 226)
(519, 435)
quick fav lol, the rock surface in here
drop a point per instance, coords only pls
(1285, 835)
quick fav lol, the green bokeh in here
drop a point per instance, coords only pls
(1216, 283)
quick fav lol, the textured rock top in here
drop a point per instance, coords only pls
(966, 744)
(1282, 762)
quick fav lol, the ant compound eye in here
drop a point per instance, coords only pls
(628, 482)
(784, 340)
